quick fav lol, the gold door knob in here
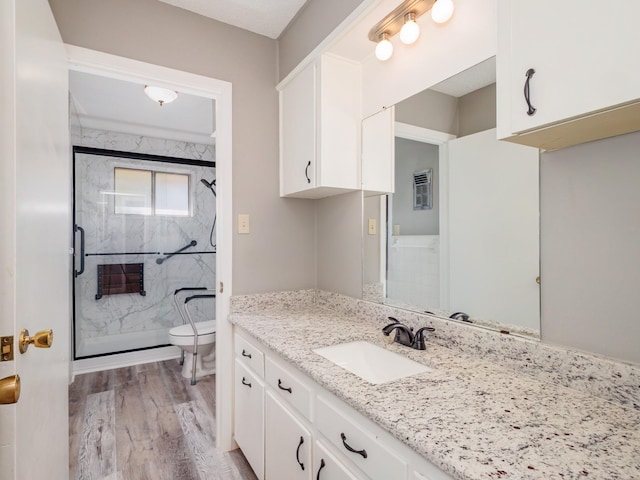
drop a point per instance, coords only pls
(9, 389)
(538, 280)
(42, 339)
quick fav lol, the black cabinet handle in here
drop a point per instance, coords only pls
(245, 354)
(298, 453)
(321, 467)
(286, 389)
(306, 172)
(244, 382)
(348, 447)
(527, 92)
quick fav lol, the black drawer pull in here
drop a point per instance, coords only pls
(298, 453)
(527, 92)
(286, 389)
(321, 467)
(306, 172)
(346, 445)
(245, 354)
(244, 382)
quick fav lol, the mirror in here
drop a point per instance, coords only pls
(459, 237)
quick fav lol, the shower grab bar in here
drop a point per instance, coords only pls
(188, 288)
(192, 243)
(78, 228)
(195, 331)
(120, 253)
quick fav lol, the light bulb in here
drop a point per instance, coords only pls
(384, 49)
(410, 31)
(442, 10)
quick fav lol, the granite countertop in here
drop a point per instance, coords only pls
(474, 419)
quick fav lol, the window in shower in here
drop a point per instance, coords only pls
(149, 192)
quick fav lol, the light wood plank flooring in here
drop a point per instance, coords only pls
(146, 422)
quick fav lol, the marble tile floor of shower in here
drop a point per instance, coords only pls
(146, 422)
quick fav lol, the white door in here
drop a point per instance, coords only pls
(34, 237)
(494, 233)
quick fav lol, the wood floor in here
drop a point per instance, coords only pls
(147, 423)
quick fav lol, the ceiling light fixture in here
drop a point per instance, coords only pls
(403, 19)
(160, 95)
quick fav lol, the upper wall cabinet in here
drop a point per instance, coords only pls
(567, 71)
(378, 153)
(320, 112)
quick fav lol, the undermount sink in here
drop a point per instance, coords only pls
(370, 362)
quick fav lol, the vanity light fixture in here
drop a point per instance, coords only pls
(384, 49)
(403, 19)
(442, 11)
(410, 31)
(160, 95)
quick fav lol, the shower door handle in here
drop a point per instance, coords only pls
(77, 228)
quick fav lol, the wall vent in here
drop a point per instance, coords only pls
(423, 189)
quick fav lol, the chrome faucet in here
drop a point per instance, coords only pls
(405, 335)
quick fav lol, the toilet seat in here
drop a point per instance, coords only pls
(183, 335)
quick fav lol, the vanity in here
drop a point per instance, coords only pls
(467, 417)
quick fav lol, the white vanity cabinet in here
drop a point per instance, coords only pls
(586, 57)
(320, 112)
(326, 466)
(249, 418)
(288, 443)
(378, 153)
(307, 433)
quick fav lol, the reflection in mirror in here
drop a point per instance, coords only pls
(459, 237)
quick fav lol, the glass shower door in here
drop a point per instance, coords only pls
(132, 214)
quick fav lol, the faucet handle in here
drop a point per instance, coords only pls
(418, 338)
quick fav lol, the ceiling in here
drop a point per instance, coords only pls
(115, 105)
(265, 17)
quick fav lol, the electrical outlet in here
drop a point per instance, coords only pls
(243, 224)
(372, 226)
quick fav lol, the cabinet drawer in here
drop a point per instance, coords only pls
(289, 387)
(249, 355)
(328, 467)
(361, 447)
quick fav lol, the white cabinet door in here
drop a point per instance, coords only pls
(327, 467)
(378, 153)
(288, 444)
(298, 114)
(320, 112)
(585, 56)
(249, 417)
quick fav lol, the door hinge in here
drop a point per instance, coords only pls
(221, 289)
(6, 349)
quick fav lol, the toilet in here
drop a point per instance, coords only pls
(182, 336)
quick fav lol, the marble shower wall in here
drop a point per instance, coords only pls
(126, 321)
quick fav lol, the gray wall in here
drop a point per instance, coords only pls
(282, 230)
(590, 244)
(314, 22)
(477, 111)
(429, 109)
(471, 113)
(371, 243)
(412, 156)
(339, 244)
